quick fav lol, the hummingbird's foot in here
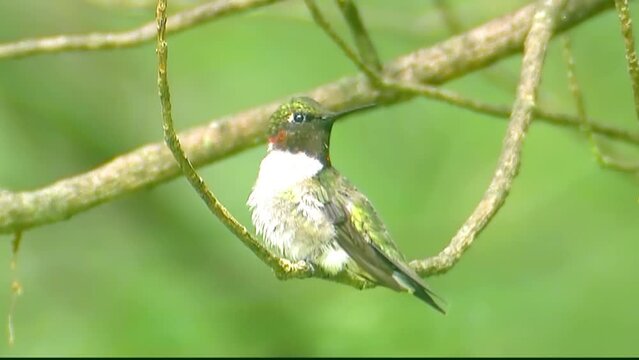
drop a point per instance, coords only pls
(289, 269)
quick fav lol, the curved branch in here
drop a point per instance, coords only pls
(281, 266)
(508, 165)
(98, 41)
(153, 164)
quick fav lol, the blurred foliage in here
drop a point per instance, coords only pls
(154, 273)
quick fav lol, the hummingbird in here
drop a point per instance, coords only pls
(304, 209)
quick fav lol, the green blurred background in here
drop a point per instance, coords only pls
(154, 273)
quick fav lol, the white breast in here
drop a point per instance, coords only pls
(275, 215)
(280, 170)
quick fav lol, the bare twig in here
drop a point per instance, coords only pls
(602, 158)
(321, 21)
(534, 53)
(363, 42)
(631, 55)
(97, 41)
(503, 111)
(153, 164)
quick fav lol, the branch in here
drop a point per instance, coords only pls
(153, 164)
(602, 158)
(173, 143)
(503, 111)
(508, 165)
(631, 55)
(350, 54)
(98, 41)
(363, 42)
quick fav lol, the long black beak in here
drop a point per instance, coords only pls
(336, 115)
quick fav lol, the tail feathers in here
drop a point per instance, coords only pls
(419, 289)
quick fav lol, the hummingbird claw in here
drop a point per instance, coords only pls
(290, 269)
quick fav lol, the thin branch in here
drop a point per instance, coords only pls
(631, 55)
(603, 159)
(281, 266)
(321, 21)
(503, 111)
(508, 165)
(599, 127)
(153, 164)
(98, 41)
(363, 41)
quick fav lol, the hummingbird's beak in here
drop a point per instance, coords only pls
(336, 115)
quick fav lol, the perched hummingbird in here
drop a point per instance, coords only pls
(306, 210)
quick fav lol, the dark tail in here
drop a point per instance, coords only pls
(416, 286)
(384, 269)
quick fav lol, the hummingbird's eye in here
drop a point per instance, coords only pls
(299, 117)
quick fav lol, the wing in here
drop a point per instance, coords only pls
(364, 237)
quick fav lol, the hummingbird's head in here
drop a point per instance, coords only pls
(298, 114)
(303, 125)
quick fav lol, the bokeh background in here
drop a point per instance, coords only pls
(154, 273)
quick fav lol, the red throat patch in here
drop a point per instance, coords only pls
(280, 137)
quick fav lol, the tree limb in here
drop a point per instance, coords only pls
(98, 41)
